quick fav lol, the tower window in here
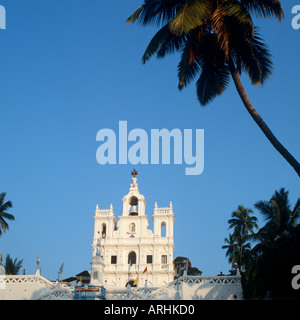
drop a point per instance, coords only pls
(149, 259)
(163, 231)
(133, 206)
(113, 260)
(164, 259)
(103, 233)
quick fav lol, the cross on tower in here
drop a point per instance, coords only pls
(134, 173)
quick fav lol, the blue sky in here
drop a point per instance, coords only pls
(71, 68)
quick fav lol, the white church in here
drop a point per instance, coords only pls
(126, 251)
(129, 262)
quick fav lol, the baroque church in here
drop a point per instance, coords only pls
(126, 251)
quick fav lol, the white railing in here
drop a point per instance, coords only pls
(163, 211)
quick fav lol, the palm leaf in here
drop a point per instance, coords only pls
(265, 8)
(215, 76)
(190, 16)
(263, 57)
(212, 82)
(188, 67)
(163, 42)
(295, 213)
(156, 12)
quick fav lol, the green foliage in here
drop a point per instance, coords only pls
(4, 206)
(180, 263)
(267, 266)
(12, 267)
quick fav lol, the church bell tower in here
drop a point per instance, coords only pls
(127, 252)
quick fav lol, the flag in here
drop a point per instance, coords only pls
(136, 281)
(38, 260)
(61, 269)
(145, 270)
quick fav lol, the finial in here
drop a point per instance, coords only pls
(97, 207)
(171, 205)
(134, 173)
(155, 205)
(111, 207)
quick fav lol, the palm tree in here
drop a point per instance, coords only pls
(243, 224)
(4, 206)
(277, 249)
(12, 267)
(232, 250)
(280, 218)
(217, 39)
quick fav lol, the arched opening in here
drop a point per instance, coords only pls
(133, 206)
(103, 231)
(132, 258)
(163, 231)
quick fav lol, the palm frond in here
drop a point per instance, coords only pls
(163, 42)
(156, 12)
(265, 8)
(212, 82)
(265, 208)
(191, 15)
(214, 77)
(3, 225)
(153, 46)
(263, 57)
(188, 67)
(295, 214)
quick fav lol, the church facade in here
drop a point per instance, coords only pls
(126, 251)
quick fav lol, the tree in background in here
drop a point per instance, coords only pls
(180, 265)
(12, 267)
(4, 206)
(243, 224)
(266, 268)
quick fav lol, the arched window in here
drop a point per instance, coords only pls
(133, 206)
(132, 258)
(163, 231)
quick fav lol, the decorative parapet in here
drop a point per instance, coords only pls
(186, 288)
(104, 212)
(163, 210)
(33, 287)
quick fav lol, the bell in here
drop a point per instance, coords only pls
(133, 210)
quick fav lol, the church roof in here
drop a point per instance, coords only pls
(84, 273)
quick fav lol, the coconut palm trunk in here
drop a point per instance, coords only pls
(259, 121)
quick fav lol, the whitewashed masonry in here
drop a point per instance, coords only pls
(123, 250)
